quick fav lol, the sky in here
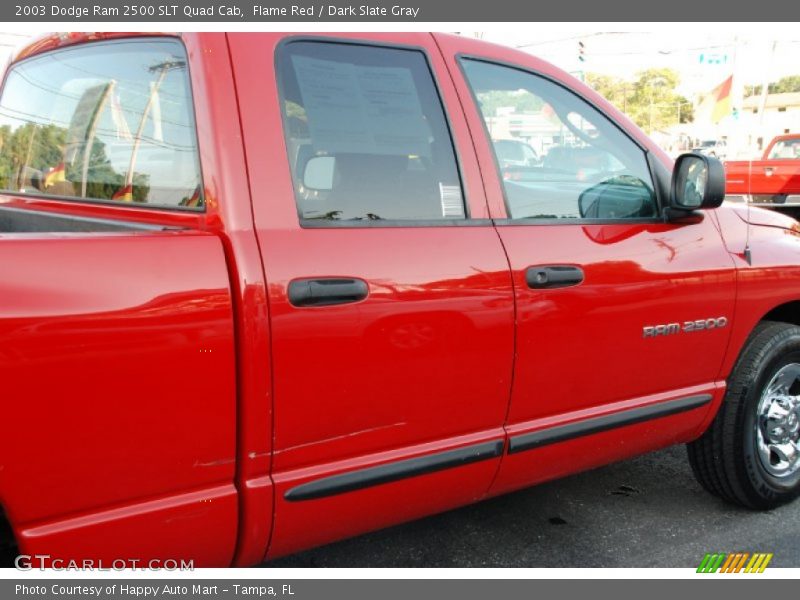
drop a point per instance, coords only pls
(10, 40)
(703, 56)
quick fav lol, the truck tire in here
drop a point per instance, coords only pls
(750, 454)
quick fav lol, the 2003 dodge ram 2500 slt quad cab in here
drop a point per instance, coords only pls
(259, 292)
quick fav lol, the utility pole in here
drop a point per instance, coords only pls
(659, 81)
(762, 104)
(625, 98)
(736, 135)
(162, 69)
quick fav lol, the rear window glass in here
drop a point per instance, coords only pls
(108, 121)
(786, 149)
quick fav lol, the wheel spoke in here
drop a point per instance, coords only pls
(781, 384)
(787, 453)
(778, 424)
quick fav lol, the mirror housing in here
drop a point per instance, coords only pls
(698, 183)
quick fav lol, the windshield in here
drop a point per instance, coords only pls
(786, 149)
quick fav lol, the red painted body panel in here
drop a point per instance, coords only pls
(773, 278)
(582, 349)
(301, 525)
(557, 460)
(107, 335)
(633, 275)
(197, 526)
(230, 215)
(146, 368)
(763, 177)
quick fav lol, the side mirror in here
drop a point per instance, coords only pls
(318, 173)
(698, 182)
(622, 197)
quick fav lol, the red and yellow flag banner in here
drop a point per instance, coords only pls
(124, 194)
(717, 104)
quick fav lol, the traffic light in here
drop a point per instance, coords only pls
(581, 52)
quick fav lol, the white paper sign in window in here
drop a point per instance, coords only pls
(360, 109)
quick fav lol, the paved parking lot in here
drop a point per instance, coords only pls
(646, 512)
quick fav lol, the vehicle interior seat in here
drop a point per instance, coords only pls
(371, 179)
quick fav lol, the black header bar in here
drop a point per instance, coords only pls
(385, 11)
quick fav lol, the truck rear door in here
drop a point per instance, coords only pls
(776, 179)
(621, 317)
(390, 296)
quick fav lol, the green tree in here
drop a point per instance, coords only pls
(30, 147)
(784, 85)
(6, 169)
(30, 150)
(102, 180)
(651, 100)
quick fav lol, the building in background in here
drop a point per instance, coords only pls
(780, 114)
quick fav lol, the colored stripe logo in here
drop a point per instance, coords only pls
(738, 562)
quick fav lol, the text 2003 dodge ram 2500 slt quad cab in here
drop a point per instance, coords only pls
(259, 292)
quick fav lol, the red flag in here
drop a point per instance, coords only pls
(124, 194)
(717, 104)
(54, 175)
(194, 200)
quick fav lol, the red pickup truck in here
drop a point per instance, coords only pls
(773, 181)
(259, 292)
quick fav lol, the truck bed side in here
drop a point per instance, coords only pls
(121, 339)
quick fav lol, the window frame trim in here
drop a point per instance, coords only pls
(460, 57)
(305, 223)
(390, 223)
(141, 206)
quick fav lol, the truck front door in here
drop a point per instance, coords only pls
(622, 318)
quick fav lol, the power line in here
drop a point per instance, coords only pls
(33, 119)
(571, 38)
